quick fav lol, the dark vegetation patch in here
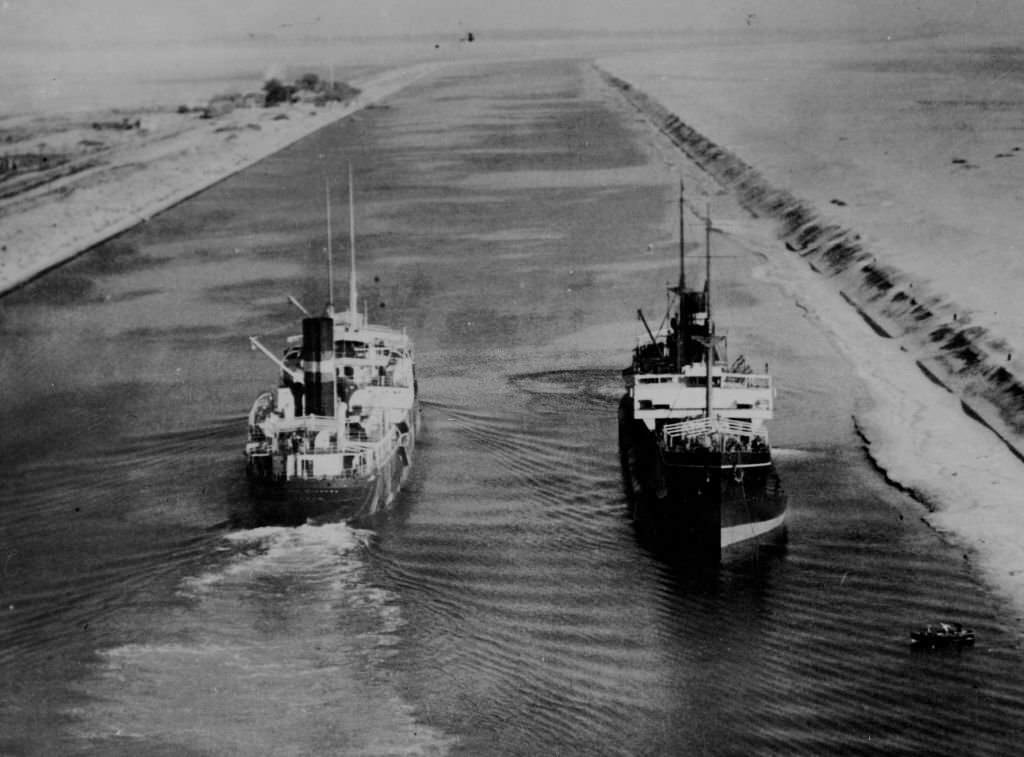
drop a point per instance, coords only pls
(308, 87)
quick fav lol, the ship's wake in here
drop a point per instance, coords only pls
(288, 610)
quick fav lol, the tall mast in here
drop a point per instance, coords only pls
(710, 354)
(707, 251)
(330, 256)
(681, 316)
(352, 304)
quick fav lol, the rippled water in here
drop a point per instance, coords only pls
(506, 605)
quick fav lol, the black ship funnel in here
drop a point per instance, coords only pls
(318, 365)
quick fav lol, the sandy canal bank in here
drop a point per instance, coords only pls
(876, 227)
(122, 176)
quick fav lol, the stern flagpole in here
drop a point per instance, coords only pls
(681, 315)
(707, 303)
(352, 304)
(330, 255)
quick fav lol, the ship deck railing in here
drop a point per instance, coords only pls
(364, 457)
(347, 447)
(348, 473)
(726, 434)
(720, 379)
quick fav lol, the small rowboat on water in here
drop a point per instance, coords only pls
(942, 635)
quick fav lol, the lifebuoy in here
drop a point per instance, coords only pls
(737, 475)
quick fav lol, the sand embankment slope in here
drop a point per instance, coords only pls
(49, 224)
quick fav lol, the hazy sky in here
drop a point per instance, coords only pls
(85, 21)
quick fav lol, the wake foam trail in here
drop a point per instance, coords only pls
(276, 550)
(286, 626)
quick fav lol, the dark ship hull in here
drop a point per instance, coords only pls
(704, 506)
(293, 501)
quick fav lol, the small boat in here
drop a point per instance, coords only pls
(942, 635)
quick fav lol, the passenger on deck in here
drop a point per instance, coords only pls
(347, 384)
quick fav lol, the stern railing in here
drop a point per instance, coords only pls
(720, 434)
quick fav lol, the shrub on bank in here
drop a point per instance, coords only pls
(307, 88)
(276, 92)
